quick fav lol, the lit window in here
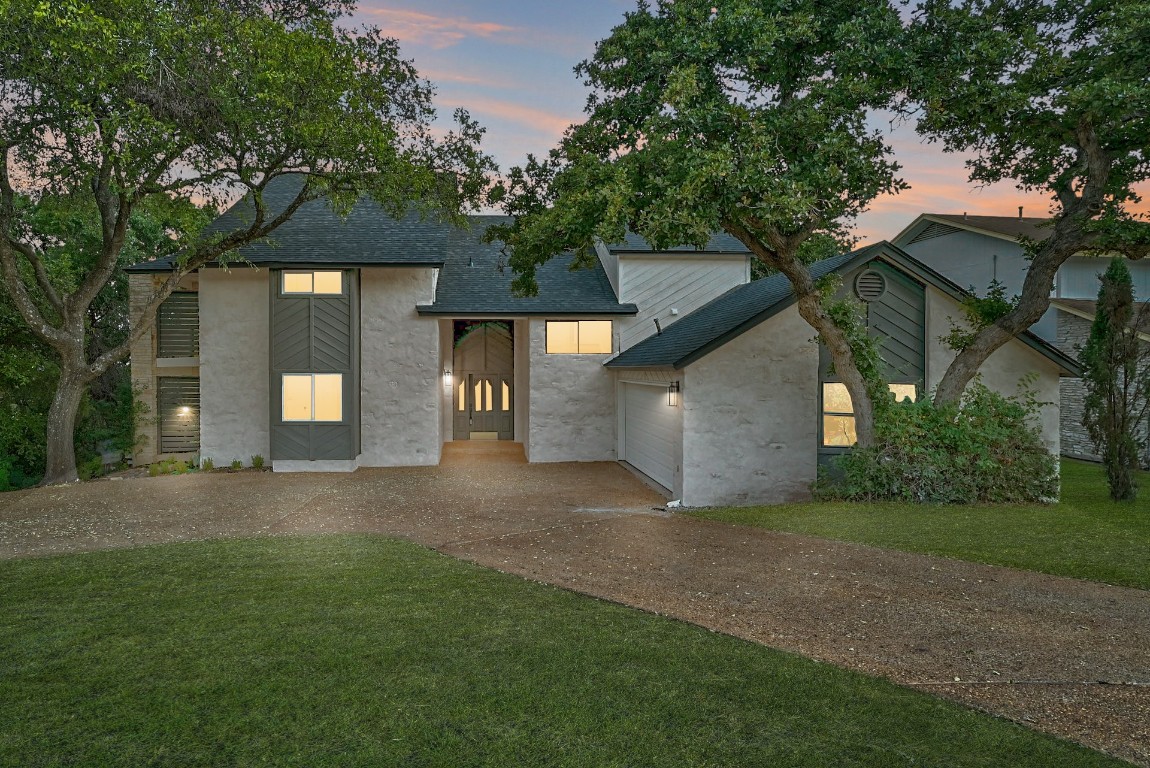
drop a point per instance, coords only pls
(313, 283)
(313, 397)
(587, 337)
(838, 412)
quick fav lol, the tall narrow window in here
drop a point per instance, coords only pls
(313, 397)
(506, 397)
(585, 337)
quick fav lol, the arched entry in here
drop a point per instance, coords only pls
(483, 404)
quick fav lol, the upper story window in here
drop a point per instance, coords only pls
(313, 283)
(579, 337)
(178, 326)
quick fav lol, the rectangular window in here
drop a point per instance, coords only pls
(313, 283)
(838, 412)
(178, 326)
(585, 337)
(313, 397)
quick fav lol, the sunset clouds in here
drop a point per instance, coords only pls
(434, 31)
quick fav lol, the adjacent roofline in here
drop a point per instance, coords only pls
(937, 218)
(898, 257)
(429, 310)
(158, 266)
(1071, 310)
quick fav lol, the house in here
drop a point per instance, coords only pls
(371, 341)
(974, 250)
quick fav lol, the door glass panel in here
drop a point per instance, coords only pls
(463, 395)
(839, 431)
(329, 282)
(329, 397)
(487, 404)
(297, 282)
(297, 398)
(506, 397)
(477, 404)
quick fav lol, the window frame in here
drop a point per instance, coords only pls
(578, 337)
(285, 273)
(823, 412)
(312, 376)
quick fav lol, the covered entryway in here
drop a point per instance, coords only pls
(483, 404)
(651, 431)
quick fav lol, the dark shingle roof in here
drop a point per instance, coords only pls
(316, 236)
(721, 320)
(720, 242)
(476, 280)
(742, 308)
(1033, 228)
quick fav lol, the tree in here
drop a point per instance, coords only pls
(1054, 94)
(1117, 380)
(750, 117)
(111, 107)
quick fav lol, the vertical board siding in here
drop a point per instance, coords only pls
(898, 319)
(179, 432)
(178, 325)
(651, 430)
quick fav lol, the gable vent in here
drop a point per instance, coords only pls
(870, 285)
(934, 230)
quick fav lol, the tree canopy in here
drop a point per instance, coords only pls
(750, 117)
(108, 106)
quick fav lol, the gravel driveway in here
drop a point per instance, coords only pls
(1063, 656)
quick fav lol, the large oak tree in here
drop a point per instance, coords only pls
(748, 116)
(1054, 95)
(108, 107)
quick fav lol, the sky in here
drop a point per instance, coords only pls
(510, 64)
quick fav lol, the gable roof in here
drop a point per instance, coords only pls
(1002, 227)
(720, 242)
(316, 236)
(742, 308)
(476, 281)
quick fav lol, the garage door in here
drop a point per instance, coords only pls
(651, 431)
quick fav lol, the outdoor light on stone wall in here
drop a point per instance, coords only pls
(673, 394)
(447, 378)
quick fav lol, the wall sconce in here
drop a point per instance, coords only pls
(447, 378)
(185, 410)
(673, 394)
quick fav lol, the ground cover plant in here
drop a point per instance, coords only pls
(362, 650)
(1085, 535)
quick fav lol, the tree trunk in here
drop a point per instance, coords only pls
(61, 465)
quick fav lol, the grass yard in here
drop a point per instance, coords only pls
(365, 651)
(1084, 536)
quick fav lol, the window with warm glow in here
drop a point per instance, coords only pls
(575, 337)
(838, 412)
(313, 283)
(313, 397)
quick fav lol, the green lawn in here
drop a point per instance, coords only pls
(364, 651)
(1085, 536)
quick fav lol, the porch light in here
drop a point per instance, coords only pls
(447, 378)
(673, 394)
(185, 411)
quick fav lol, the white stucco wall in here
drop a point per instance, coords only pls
(521, 334)
(662, 284)
(400, 370)
(1002, 371)
(234, 374)
(750, 417)
(571, 404)
(446, 389)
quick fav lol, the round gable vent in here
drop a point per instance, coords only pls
(870, 285)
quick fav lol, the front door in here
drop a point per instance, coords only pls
(484, 407)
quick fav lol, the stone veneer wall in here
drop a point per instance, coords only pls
(1073, 331)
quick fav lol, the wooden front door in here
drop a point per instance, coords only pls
(484, 406)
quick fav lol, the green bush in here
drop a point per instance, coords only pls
(987, 450)
(206, 464)
(237, 464)
(258, 461)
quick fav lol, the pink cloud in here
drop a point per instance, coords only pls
(538, 121)
(431, 30)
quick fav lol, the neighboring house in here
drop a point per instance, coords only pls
(974, 250)
(371, 342)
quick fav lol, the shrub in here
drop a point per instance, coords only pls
(154, 470)
(987, 450)
(237, 464)
(207, 464)
(258, 461)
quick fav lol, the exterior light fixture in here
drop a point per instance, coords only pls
(673, 394)
(186, 410)
(447, 378)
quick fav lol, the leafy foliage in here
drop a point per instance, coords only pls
(1117, 380)
(979, 312)
(988, 449)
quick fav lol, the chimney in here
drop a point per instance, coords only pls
(1020, 213)
(964, 215)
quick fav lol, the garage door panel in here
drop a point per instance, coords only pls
(651, 432)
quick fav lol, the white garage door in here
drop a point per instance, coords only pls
(651, 431)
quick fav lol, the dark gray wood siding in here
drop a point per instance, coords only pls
(315, 334)
(178, 401)
(178, 326)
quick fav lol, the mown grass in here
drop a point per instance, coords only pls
(1085, 535)
(364, 651)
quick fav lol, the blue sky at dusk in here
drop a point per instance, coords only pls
(509, 62)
